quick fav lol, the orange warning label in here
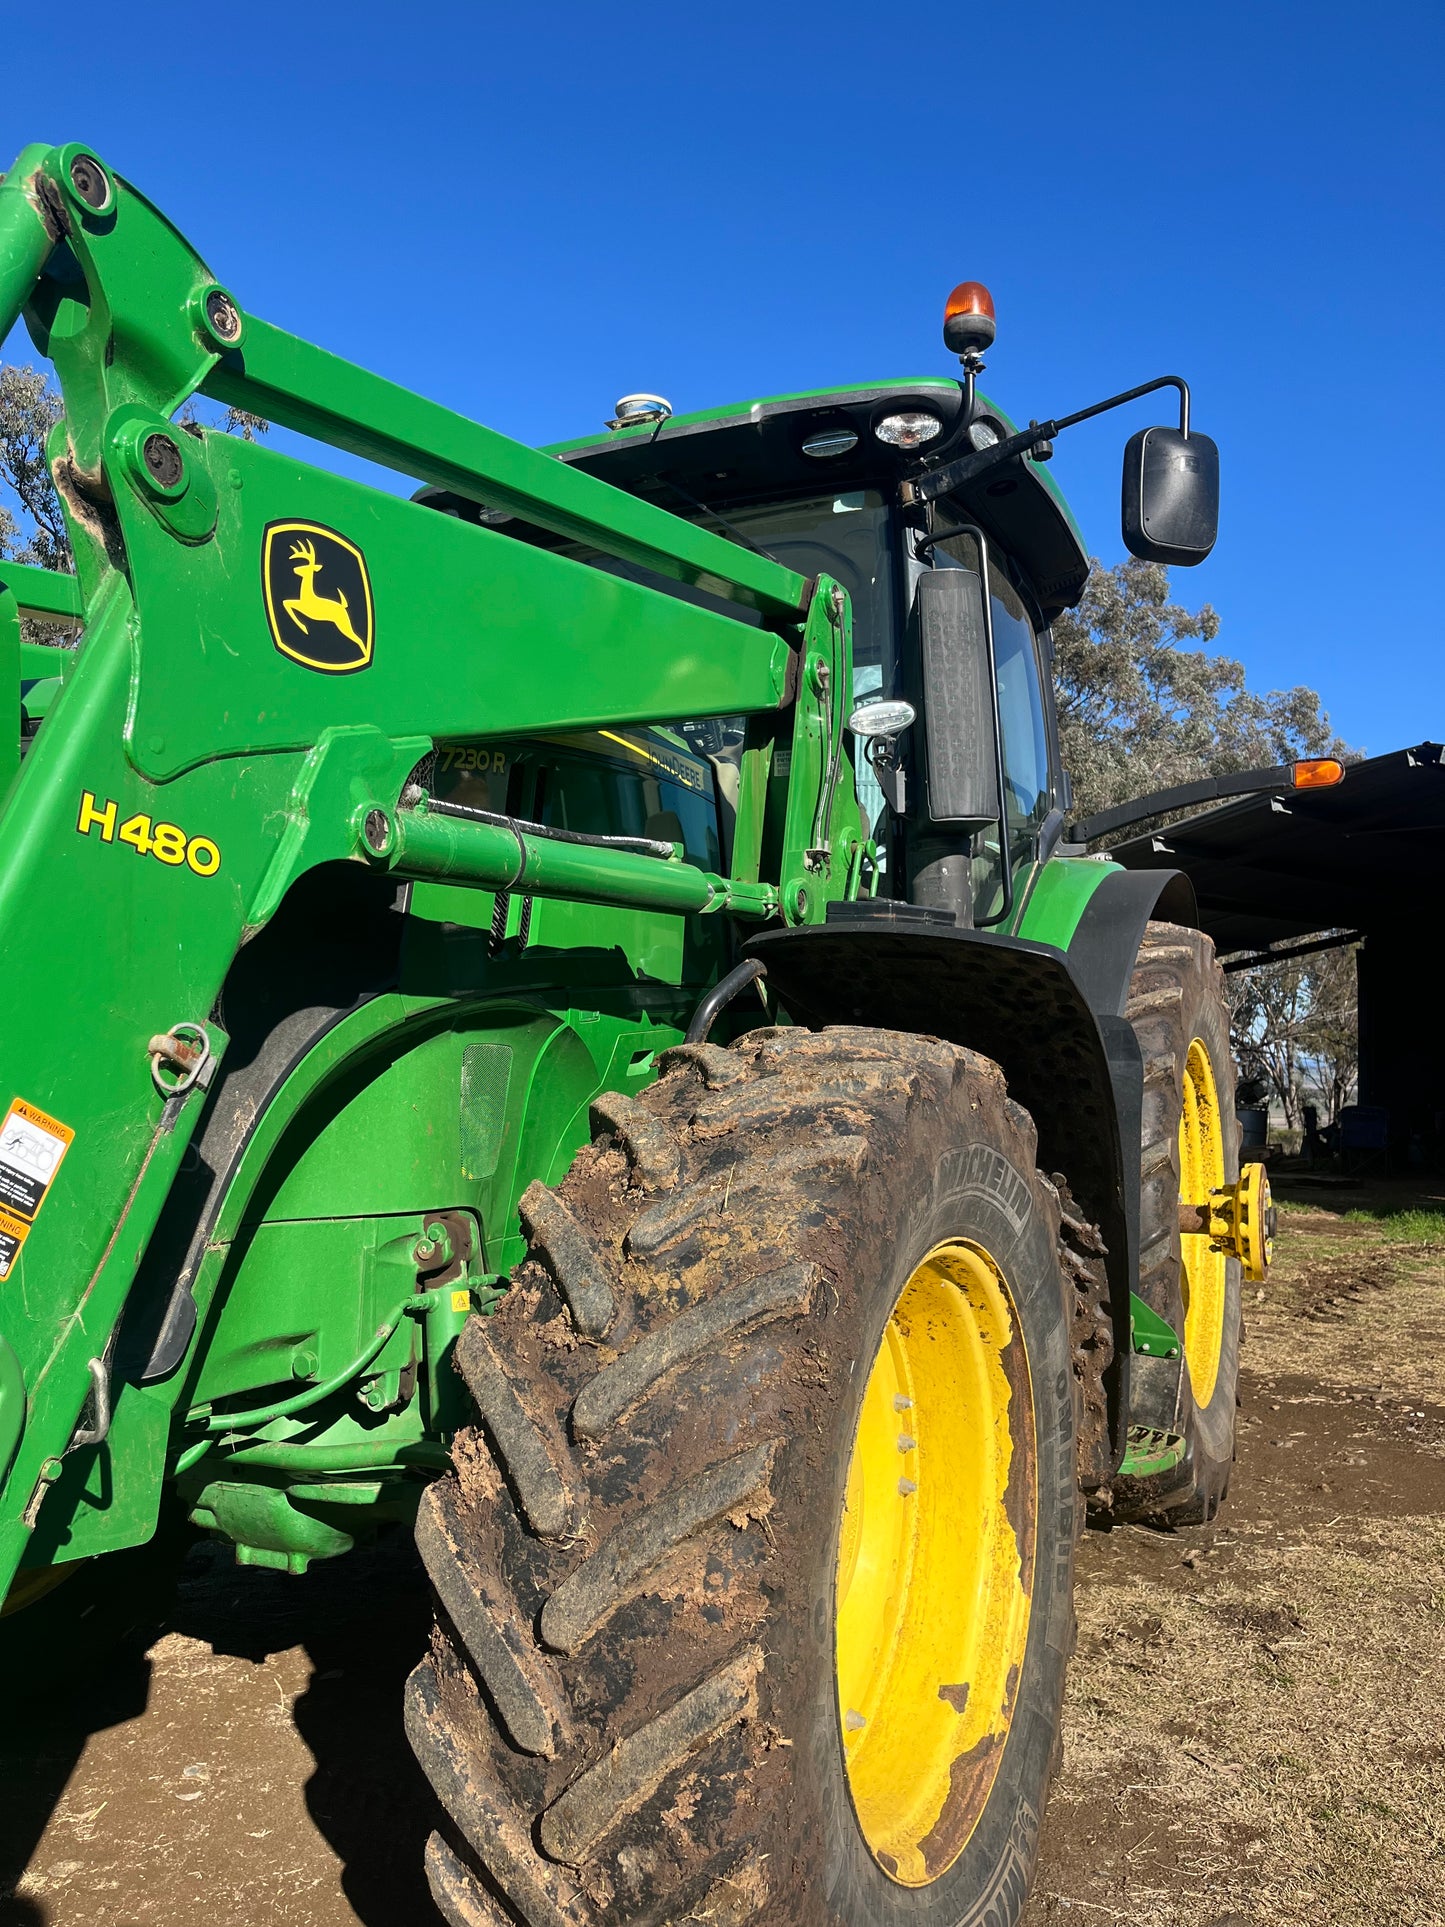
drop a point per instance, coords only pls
(13, 1233)
(32, 1145)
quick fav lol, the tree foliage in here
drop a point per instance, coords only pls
(32, 526)
(1144, 703)
(29, 409)
(1294, 1030)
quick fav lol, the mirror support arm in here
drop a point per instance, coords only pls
(943, 481)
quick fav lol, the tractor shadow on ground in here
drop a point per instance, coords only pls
(363, 1622)
(44, 1738)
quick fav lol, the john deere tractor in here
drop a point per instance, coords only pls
(559, 1007)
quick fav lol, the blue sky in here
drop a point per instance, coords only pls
(526, 212)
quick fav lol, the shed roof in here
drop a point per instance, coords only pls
(1366, 854)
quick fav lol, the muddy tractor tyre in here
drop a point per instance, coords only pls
(1190, 1146)
(755, 1577)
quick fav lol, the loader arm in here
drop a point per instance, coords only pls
(221, 728)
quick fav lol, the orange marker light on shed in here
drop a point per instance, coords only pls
(1318, 773)
(969, 322)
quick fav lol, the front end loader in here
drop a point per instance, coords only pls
(558, 1008)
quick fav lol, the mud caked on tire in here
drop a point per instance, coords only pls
(1190, 1144)
(755, 1578)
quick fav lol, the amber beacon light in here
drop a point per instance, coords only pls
(969, 322)
(1318, 773)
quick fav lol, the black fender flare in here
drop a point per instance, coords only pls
(1051, 1019)
(1107, 936)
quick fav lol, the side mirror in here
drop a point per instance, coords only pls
(1171, 496)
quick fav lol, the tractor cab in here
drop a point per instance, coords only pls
(816, 482)
(938, 516)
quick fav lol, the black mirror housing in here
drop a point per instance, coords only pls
(949, 643)
(1171, 496)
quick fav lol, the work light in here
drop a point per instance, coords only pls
(909, 430)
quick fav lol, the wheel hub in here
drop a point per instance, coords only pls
(935, 1563)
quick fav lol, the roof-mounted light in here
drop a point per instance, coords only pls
(826, 444)
(911, 429)
(639, 411)
(969, 322)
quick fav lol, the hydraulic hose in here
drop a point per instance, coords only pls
(313, 1394)
(751, 971)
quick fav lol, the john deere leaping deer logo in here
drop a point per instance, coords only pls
(318, 597)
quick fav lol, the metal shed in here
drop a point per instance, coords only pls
(1367, 857)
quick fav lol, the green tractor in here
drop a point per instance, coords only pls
(564, 1011)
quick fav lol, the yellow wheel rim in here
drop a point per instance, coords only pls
(936, 1563)
(1205, 1270)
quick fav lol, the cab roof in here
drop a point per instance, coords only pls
(749, 450)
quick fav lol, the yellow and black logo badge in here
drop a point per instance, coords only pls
(318, 597)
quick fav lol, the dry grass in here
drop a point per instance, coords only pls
(1356, 1302)
(1278, 1725)
(1255, 1730)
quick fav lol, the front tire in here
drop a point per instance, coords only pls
(788, 1387)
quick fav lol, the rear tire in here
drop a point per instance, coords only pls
(1176, 1006)
(631, 1712)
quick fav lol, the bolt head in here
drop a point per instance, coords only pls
(88, 178)
(377, 830)
(223, 316)
(163, 459)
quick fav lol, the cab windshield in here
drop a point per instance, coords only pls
(848, 537)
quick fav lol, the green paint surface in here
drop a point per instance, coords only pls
(208, 768)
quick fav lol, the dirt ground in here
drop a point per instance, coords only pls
(1256, 1721)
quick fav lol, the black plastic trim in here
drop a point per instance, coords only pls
(1208, 789)
(1106, 939)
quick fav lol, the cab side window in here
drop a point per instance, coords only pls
(1023, 716)
(1027, 784)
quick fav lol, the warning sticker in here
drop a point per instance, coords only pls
(12, 1236)
(32, 1144)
